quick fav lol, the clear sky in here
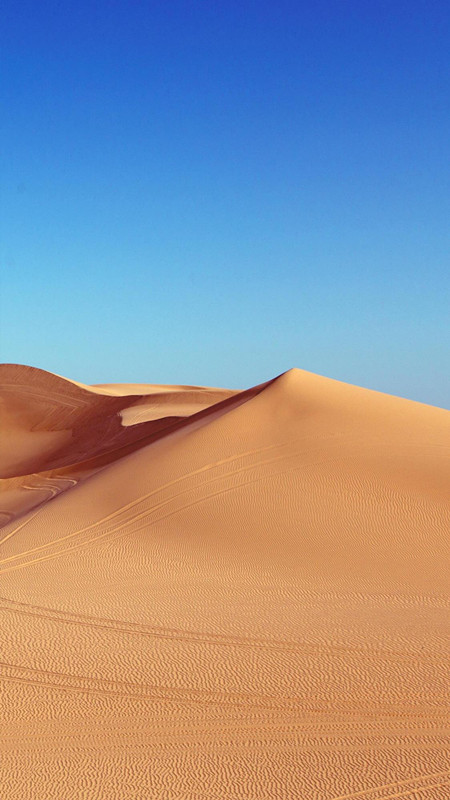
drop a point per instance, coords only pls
(213, 192)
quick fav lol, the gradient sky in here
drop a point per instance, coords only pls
(213, 192)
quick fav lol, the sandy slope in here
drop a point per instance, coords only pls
(210, 594)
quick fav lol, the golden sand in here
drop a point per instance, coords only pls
(218, 595)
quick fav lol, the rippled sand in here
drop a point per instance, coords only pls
(225, 595)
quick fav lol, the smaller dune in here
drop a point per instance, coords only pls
(55, 431)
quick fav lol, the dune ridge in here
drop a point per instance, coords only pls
(208, 593)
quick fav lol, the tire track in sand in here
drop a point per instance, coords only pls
(148, 512)
(364, 793)
(133, 503)
(190, 636)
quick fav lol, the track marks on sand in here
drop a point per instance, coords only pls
(146, 513)
(146, 496)
(291, 704)
(408, 788)
(54, 679)
(192, 636)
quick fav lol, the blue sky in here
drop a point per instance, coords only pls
(198, 192)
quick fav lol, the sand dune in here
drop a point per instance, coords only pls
(217, 594)
(57, 432)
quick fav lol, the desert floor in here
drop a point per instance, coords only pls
(211, 594)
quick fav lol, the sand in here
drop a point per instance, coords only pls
(218, 594)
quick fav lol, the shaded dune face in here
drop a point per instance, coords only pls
(54, 432)
(218, 594)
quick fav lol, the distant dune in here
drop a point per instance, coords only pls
(222, 595)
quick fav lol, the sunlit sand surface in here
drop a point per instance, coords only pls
(222, 595)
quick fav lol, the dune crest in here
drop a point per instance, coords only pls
(209, 593)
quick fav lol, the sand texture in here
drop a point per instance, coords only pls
(218, 595)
